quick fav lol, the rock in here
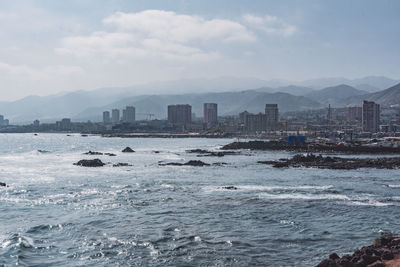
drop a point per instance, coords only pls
(93, 153)
(384, 252)
(3, 184)
(334, 256)
(120, 164)
(128, 150)
(110, 154)
(156, 151)
(197, 163)
(377, 264)
(90, 163)
(84, 135)
(230, 187)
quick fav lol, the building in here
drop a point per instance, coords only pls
(115, 116)
(129, 114)
(272, 113)
(36, 123)
(106, 117)
(1, 120)
(255, 122)
(210, 114)
(180, 115)
(371, 116)
(354, 114)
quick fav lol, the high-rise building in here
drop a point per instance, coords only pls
(36, 123)
(354, 114)
(106, 117)
(180, 115)
(129, 114)
(115, 116)
(65, 124)
(1, 120)
(255, 122)
(371, 116)
(272, 113)
(210, 114)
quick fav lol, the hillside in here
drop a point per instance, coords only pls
(335, 95)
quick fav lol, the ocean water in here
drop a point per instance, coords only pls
(56, 214)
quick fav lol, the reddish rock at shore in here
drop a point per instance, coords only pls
(382, 253)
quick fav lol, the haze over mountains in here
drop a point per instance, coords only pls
(233, 95)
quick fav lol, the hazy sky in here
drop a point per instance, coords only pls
(51, 46)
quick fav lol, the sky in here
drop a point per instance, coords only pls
(48, 46)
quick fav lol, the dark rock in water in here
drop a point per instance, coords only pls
(381, 253)
(197, 163)
(3, 184)
(35, 134)
(43, 151)
(110, 154)
(206, 153)
(219, 164)
(90, 163)
(128, 150)
(120, 164)
(93, 153)
(156, 151)
(84, 135)
(335, 163)
(230, 187)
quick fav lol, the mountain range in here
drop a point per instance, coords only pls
(231, 94)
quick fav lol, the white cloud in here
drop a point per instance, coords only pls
(160, 34)
(270, 25)
(27, 72)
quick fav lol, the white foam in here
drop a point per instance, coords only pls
(304, 196)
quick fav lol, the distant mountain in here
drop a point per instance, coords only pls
(388, 97)
(229, 103)
(334, 95)
(55, 107)
(290, 89)
(83, 105)
(378, 82)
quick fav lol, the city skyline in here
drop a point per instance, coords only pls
(123, 43)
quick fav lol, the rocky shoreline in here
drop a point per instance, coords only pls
(336, 163)
(314, 148)
(384, 252)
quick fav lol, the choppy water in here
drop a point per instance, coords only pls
(57, 214)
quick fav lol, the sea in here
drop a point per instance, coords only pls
(54, 213)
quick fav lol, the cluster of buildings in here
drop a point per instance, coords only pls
(128, 116)
(4, 122)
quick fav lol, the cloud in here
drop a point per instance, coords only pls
(27, 72)
(167, 25)
(270, 25)
(158, 34)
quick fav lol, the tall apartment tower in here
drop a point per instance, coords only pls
(371, 116)
(129, 114)
(180, 115)
(106, 117)
(115, 116)
(272, 115)
(210, 114)
(354, 114)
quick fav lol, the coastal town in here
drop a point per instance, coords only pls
(367, 125)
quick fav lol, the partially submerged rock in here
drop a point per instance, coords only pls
(93, 153)
(110, 154)
(384, 252)
(197, 163)
(231, 187)
(338, 163)
(122, 164)
(3, 184)
(128, 150)
(90, 163)
(206, 153)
